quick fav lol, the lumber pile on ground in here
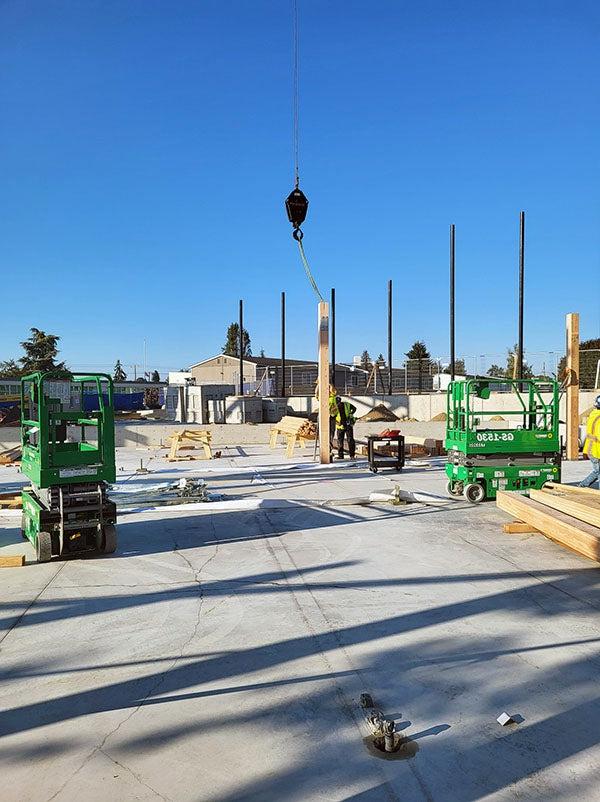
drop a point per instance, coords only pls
(568, 515)
(10, 501)
(294, 430)
(10, 456)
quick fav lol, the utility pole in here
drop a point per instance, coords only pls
(572, 386)
(333, 335)
(452, 300)
(283, 345)
(390, 385)
(521, 290)
(241, 348)
(323, 382)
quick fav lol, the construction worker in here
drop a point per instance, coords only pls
(591, 446)
(343, 412)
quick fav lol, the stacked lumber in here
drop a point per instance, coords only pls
(295, 431)
(10, 501)
(568, 515)
(10, 456)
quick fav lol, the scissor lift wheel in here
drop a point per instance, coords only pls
(43, 547)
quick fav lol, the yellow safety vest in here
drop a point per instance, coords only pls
(591, 447)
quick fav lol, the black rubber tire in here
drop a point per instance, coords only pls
(474, 492)
(451, 492)
(109, 539)
(43, 547)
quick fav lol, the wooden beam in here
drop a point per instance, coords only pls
(577, 506)
(572, 377)
(12, 561)
(518, 528)
(323, 385)
(573, 489)
(576, 535)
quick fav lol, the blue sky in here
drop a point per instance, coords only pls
(146, 151)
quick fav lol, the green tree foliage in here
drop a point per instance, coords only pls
(41, 350)
(380, 361)
(10, 369)
(419, 353)
(512, 370)
(232, 344)
(496, 372)
(119, 375)
(459, 368)
(365, 360)
(589, 354)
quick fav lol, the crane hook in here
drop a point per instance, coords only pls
(296, 205)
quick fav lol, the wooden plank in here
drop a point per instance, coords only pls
(572, 391)
(323, 324)
(12, 561)
(576, 506)
(576, 535)
(579, 491)
(518, 528)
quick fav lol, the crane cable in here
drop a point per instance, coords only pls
(297, 203)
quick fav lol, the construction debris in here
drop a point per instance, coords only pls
(183, 491)
(504, 719)
(441, 416)
(568, 515)
(379, 413)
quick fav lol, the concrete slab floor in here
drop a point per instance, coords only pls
(221, 655)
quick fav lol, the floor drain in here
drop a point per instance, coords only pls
(402, 749)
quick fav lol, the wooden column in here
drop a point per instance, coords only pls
(323, 322)
(572, 381)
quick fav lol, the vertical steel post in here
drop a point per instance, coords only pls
(521, 289)
(332, 312)
(283, 345)
(241, 348)
(452, 304)
(390, 387)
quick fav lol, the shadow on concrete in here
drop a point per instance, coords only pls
(459, 770)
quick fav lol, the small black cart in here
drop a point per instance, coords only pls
(385, 451)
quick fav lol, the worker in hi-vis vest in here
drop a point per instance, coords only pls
(591, 446)
(343, 413)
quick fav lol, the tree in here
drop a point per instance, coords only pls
(380, 361)
(155, 376)
(262, 353)
(10, 369)
(421, 355)
(119, 375)
(496, 372)
(232, 345)
(41, 350)
(459, 368)
(589, 354)
(365, 360)
(512, 370)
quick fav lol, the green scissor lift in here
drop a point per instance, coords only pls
(484, 457)
(69, 456)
